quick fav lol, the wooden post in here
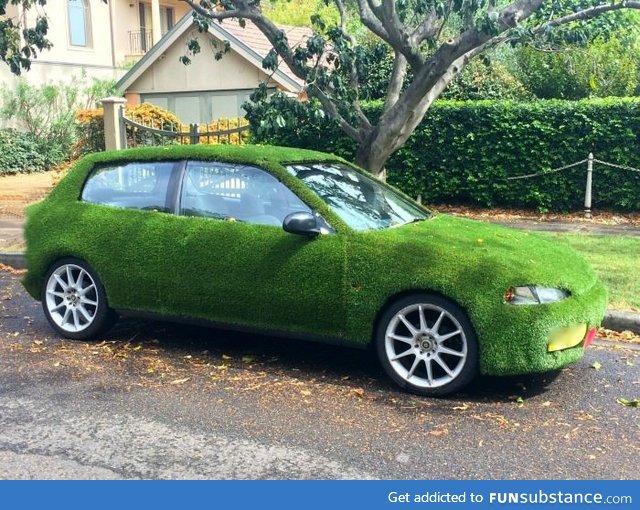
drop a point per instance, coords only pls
(194, 138)
(587, 193)
(113, 130)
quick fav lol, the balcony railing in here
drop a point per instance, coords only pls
(140, 41)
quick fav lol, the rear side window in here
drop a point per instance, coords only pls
(132, 185)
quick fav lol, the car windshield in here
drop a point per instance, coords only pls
(360, 201)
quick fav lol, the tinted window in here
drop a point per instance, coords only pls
(360, 201)
(134, 186)
(243, 193)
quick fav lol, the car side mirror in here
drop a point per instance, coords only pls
(301, 223)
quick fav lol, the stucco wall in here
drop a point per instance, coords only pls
(126, 19)
(64, 60)
(167, 74)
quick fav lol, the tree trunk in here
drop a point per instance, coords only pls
(372, 155)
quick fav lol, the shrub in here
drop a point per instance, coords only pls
(22, 152)
(602, 69)
(46, 111)
(463, 152)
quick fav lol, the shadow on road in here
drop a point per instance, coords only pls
(308, 360)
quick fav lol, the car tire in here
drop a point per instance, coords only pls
(74, 300)
(427, 345)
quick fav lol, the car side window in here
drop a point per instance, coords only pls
(236, 192)
(132, 185)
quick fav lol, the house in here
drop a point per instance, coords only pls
(208, 89)
(96, 38)
(101, 40)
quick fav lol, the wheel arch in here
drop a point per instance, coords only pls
(55, 258)
(410, 292)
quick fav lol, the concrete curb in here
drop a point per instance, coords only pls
(613, 319)
(16, 260)
(622, 321)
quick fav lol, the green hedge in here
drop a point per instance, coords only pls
(464, 151)
(22, 152)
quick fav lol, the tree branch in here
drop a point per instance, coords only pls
(589, 13)
(370, 21)
(330, 107)
(428, 29)
(397, 80)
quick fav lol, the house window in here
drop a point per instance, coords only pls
(79, 23)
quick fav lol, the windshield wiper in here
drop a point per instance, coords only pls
(414, 220)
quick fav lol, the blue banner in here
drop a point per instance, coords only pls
(311, 495)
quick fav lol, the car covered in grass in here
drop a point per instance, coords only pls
(300, 243)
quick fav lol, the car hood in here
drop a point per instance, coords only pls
(459, 251)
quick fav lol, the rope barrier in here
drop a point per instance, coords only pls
(528, 176)
(621, 167)
(566, 167)
(588, 188)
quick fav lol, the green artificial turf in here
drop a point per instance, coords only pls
(616, 259)
(333, 286)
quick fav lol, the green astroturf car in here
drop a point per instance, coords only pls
(304, 244)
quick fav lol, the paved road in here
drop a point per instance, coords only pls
(161, 401)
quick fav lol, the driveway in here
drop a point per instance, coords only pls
(154, 400)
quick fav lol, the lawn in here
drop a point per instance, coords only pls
(617, 261)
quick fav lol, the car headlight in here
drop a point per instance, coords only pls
(532, 295)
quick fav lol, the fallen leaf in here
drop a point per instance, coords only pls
(519, 400)
(305, 393)
(596, 365)
(547, 403)
(628, 403)
(358, 392)
(180, 381)
(248, 359)
(463, 407)
(137, 348)
(442, 431)
(38, 342)
(226, 356)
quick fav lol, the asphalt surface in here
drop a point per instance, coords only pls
(155, 400)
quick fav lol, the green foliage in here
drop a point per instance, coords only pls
(47, 112)
(298, 13)
(44, 111)
(601, 69)
(25, 153)
(20, 44)
(482, 79)
(464, 151)
(621, 24)
(470, 262)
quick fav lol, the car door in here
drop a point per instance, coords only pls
(227, 259)
(119, 218)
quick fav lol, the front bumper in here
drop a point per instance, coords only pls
(524, 346)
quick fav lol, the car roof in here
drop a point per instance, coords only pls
(232, 153)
